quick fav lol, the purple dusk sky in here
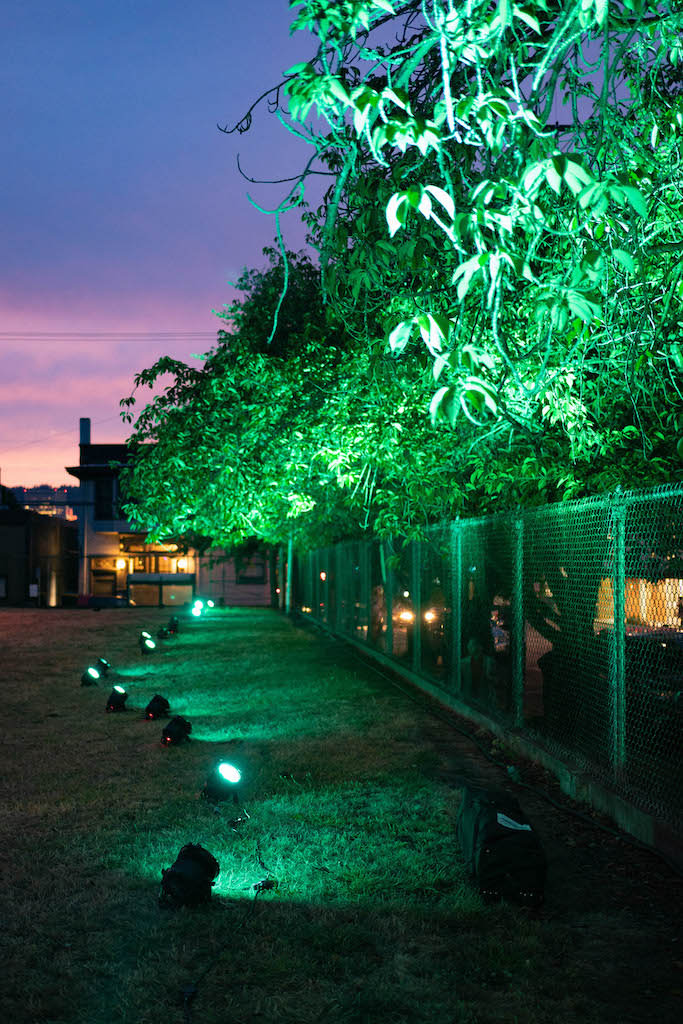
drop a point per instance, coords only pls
(122, 212)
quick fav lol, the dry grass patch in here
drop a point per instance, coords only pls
(349, 788)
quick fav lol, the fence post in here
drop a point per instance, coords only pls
(455, 680)
(416, 597)
(617, 681)
(517, 638)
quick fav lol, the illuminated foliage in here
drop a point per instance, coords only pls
(498, 316)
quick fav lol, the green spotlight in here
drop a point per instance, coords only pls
(146, 643)
(117, 700)
(188, 882)
(90, 677)
(197, 610)
(222, 783)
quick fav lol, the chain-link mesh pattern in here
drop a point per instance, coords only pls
(566, 621)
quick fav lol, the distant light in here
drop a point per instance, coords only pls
(210, 604)
(121, 563)
(430, 616)
(198, 603)
(189, 880)
(323, 575)
(406, 593)
(197, 610)
(406, 616)
(182, 563)
(146, 643)
(90, 677)
(117, 700)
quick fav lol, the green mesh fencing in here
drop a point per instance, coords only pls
(565, 622)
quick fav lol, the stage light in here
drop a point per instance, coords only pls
(117, 699)
(157, 707)
(196, 610)
(103, 665)
(222, 783)
(189, 880)
(177, 730)
(90, 677)
(210, 604)
(146, 642)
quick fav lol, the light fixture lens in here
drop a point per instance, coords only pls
(93, 673)
(197, 611)
(229, 772)
(149, 643)
(119, 689)
(211, 604)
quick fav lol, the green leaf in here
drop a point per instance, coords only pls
(396, 212)
(442, 197)
(444, 405)
(636, 200)
(400, 336)
(625, 259)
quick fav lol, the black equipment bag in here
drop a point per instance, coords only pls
(501, 850)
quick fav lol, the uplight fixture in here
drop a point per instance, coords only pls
(117, 700)
(210, 604)
(222, 783)
(146, 643)
(90, 676)
(157, 707)
(103, 666)
(173, 625)
(189, 880)
(177, 730)
(196, 610)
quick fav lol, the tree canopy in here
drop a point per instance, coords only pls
(496, 316)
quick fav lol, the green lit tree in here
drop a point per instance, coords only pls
(536, 263)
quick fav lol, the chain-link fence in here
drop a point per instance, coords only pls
(565, 622)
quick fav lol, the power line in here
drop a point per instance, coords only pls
(123, 336)
(55, 433)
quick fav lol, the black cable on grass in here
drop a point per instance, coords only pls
(189, 991)
(513, 773)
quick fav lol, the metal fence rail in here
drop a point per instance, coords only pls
(565, 622)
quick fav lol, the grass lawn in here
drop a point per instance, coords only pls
(352, 789)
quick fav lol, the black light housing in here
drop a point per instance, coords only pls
(189, 880)
(173, 625)
(103, 666)
(177, 730)
(164, 633)
(222, 783)
(90, 677)
(157, 707)
(117, 700)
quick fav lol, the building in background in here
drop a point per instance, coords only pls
(48, 500)
(38, 559)
(118, 566)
